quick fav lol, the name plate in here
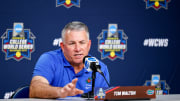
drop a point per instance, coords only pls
(125, 92)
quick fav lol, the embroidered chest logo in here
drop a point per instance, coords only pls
(88, 80)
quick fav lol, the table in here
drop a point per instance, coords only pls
(171, 97)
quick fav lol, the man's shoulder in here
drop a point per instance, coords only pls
(102, 64)
(52, 54)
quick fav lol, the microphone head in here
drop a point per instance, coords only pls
(90, 63)
(85, 58)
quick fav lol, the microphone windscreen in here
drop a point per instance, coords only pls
(85, 58)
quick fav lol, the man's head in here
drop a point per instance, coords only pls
(75, 42)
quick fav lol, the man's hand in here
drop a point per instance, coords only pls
(70, 89)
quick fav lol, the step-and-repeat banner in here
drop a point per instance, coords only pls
(137, 39)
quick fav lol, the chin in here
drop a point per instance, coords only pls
(78, 61)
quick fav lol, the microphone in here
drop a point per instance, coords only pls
(92, 64)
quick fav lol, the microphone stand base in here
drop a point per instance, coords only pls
(88, 95)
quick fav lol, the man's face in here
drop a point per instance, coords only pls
(76, 46)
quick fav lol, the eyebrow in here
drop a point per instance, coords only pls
(79, 41)
(83, 41)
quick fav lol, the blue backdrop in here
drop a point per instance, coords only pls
(46, 22)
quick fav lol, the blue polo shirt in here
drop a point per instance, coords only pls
(57, 70)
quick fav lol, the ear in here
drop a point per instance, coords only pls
(89, 44)
(62, 46)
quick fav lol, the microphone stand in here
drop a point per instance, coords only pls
(91, 93)
(93, 82)
(95, 68)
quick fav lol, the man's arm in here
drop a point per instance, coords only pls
(40, 88)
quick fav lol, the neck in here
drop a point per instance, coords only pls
(78, 67)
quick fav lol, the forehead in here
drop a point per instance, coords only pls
(76, 35)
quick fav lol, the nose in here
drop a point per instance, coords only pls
(77, 47)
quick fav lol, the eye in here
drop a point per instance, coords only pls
(82, 42)
(71, 43)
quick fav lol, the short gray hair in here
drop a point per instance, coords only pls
(75, 25)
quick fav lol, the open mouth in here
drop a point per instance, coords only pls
(78, 55)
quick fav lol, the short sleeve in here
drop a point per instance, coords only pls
(45, 67)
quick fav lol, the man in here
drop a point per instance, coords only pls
(61, 73)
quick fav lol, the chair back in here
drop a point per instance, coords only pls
(22, 92)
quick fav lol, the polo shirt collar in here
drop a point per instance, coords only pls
(66, 63)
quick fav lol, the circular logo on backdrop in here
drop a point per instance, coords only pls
(18, 28)
(113, 29)
(155, 80)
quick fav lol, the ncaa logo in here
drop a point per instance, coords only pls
(155, 80)
(113, 29)
(18, 28)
